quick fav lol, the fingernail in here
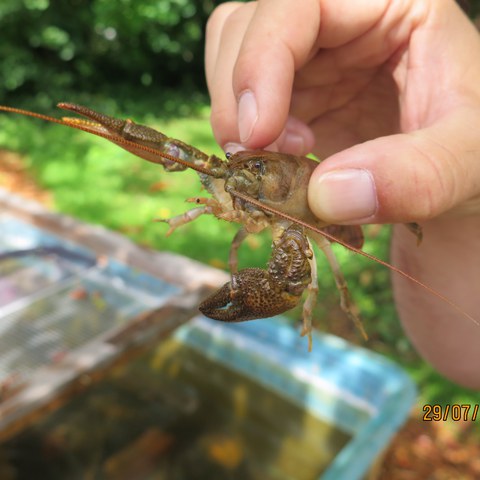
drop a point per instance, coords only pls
(247, 115)
(232, 148)
(344, 195)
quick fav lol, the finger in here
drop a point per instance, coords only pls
(227, 29)
(280, 39)
(343, 20)
(310, 103)
(213, 36)
(297, 138)
(401, 178)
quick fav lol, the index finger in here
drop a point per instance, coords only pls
(280, 39)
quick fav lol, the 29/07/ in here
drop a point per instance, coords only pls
(456, 412)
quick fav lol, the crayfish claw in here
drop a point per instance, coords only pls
(219, 306)
(255, 293)
(166, 220)
(252, 293)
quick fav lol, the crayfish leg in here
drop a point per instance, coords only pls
(253, 222)
(207, 201)
(238, 239)
(416, 229)
(346, 302)
(310, 300)
(184, 218)
(210, 207)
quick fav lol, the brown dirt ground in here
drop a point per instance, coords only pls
(420, 451)
(434, 451)
(15, 177)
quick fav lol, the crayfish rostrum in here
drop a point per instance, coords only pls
(257, 189)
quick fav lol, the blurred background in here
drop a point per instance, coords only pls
(143, 59)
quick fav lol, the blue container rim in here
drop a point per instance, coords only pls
(381, 390)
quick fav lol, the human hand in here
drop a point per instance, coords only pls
(388, 92)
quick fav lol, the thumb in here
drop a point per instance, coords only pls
(401, 178)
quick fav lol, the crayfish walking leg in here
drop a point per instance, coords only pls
(346, 303)
(310, 300)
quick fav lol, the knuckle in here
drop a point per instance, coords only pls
(435, 181)
(220, 16)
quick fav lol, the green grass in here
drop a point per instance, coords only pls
(99, 183)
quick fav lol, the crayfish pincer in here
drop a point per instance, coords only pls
(256, 293)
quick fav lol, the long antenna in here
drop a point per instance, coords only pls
(93, 127)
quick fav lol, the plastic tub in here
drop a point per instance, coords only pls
(355, 390)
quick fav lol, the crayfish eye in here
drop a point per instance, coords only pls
(228, 155)
(259, 167)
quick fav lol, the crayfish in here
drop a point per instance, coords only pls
(257, 189)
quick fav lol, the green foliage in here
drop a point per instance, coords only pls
(54, 48)
(472, 7)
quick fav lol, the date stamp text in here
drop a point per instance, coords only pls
(455, 412)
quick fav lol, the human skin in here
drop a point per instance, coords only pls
(387, 93)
